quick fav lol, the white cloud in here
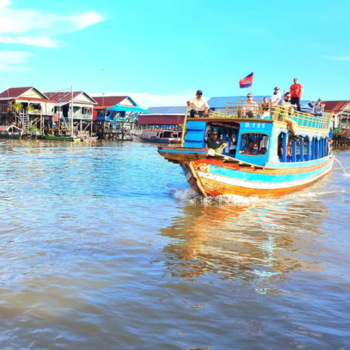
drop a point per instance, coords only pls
(85, 20)
(11, 61)
(25, 26)
(145, 100)
(43, 41)
(338, 58)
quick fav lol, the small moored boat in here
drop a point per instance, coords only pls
(161, 136)
(62, 138)
(10, 132)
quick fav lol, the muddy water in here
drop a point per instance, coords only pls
(105, 246)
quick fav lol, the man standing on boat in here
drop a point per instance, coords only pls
(198, 106)
(296, 90)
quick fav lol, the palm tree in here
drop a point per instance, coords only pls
(17, 106)
(30, 108)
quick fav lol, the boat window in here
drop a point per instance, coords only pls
(167, 134)
(254, 144)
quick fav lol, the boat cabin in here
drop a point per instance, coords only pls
(263, 138)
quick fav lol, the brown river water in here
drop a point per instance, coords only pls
(105, 247)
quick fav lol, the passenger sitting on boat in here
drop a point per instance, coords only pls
(233, 147)
(265, 108)
(214, 142)
(250, 107)
(250, 150)
(276, 97)
(263, 150)
(287, 105)
(198, 106)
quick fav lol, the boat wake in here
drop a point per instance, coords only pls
(191, 197)
(341, 166)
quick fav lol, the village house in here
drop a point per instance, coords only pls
(116, 111)
(83, 105)
(25, 106)
(340, 110)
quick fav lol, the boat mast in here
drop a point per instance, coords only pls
(71, 112)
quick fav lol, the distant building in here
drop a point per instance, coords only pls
(27, 96)
(163, 118)
(341, 111)
(117, 111)
(104, 102)
(83, 104)
(35, 109)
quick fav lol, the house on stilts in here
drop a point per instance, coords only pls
(26, 107)
(83, 105)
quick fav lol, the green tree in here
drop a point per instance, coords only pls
(17, 106)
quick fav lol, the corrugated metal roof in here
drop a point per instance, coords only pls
(14, 92)
(336, 106)
(108, 101)
(34, 99)
(62, 96)
(65, 97)
(220, 102)
(161, 119)
(168, 110)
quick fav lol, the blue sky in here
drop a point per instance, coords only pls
(161, 51)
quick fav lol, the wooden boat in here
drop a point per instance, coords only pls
(10, 132)
(62, 138)
(287, 163)
(161, 136)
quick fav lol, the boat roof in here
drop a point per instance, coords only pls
(168, 110)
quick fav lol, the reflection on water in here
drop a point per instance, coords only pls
(257, 240)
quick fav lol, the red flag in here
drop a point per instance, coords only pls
(247, 81)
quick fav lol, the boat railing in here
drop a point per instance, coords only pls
(242, 110)
(302, 119)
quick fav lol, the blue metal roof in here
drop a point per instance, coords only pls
(127, 109)
(167, 110)
(220, 102)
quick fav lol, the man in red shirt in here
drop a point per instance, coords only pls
(296, 90)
